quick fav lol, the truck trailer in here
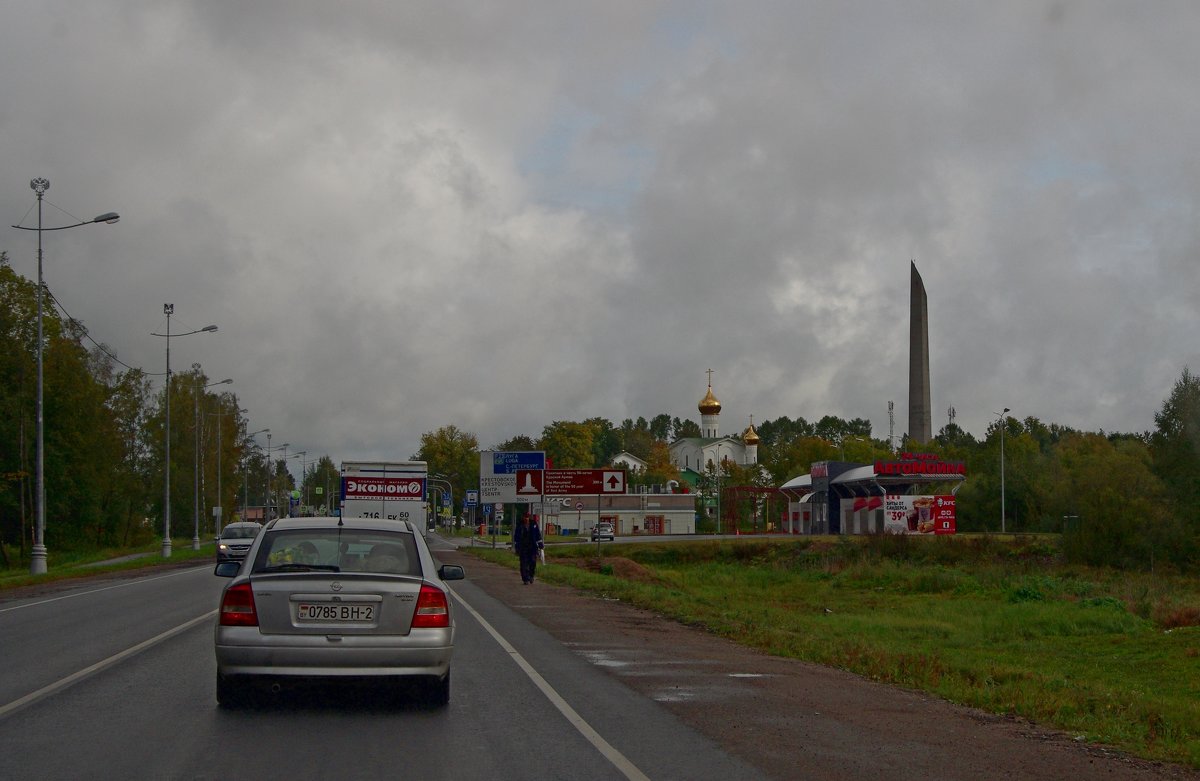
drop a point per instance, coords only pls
(392, 490)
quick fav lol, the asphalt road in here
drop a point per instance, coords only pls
(114, 679)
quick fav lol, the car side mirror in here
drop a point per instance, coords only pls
(451, 572)
(229, 569)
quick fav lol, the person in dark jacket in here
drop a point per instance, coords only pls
(527, 541)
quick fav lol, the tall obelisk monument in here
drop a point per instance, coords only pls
(920, 411)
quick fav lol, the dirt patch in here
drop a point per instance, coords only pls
(617, 566)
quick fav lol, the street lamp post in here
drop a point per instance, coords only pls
(196, 462)
(449, 492)
(1003, 418)
(300, 455)
(304, 478)
(267, 496)
(433, 503)
(37, 558)
(278, 509)
(219, 415)
(267, 485)
(168, 310)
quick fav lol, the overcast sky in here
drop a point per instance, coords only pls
(497, 215)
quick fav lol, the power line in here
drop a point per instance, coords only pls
(102, 348)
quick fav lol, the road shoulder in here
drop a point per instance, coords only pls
(793, 719)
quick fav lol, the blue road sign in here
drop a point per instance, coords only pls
(511, 462)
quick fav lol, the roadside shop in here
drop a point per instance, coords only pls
(914, 494)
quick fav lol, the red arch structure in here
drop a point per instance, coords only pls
(769, 498)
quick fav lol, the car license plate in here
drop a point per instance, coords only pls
(334, 611)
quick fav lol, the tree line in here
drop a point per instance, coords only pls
(103, 427)
(1117, 499)
(1124, 499)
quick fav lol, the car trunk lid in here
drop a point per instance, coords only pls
(322, 603)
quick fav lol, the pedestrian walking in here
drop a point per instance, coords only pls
(527, 542)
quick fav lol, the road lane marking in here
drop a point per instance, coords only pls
(75, 677)
(618, 760)
(98, 590)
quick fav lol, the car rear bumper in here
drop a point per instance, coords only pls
(246, 651)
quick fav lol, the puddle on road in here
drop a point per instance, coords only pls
(633, 660)
(675, 695)
(601, 659)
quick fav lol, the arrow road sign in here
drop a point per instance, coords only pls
(567, 482)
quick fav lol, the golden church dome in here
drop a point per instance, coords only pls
(750, 436)
(709, 404)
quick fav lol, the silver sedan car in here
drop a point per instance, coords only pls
(236, 539)
(328, 598)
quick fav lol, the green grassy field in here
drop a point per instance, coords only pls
(67, 565)
(1110, 657)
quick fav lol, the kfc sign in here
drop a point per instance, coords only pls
(919, 514)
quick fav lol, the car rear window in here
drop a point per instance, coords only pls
(347, 550)
(240, 532)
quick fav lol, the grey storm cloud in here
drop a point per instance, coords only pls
(404, 216)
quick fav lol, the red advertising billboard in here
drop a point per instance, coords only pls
(944, 515)
(385, 488)
(919, 514)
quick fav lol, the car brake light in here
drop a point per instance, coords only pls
(433, 611)
(237, 606)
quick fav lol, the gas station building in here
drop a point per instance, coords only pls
(911, 495)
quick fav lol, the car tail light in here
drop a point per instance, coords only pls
(237, 606)
(433, 611)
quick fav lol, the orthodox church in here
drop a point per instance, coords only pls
(691, 455)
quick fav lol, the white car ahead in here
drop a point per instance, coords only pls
(331, 598)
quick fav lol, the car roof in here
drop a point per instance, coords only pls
(324, 522)
(241, 525)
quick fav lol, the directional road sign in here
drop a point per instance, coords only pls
(510, 476)
(510, 462)
(568, 482)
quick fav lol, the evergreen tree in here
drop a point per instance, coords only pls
(1175, 442)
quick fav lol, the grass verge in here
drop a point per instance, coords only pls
(1109, 657)
(65, 565)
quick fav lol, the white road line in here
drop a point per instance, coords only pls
(75, 677)
(98, 590)
(618, 760)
